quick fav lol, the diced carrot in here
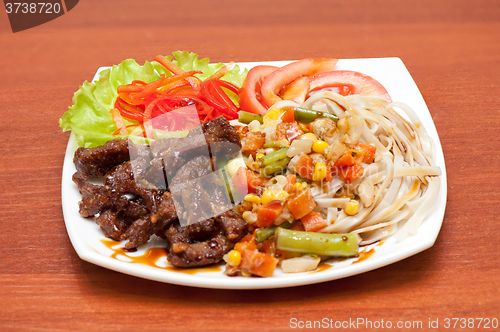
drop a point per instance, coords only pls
(301, 203)
(297, 226)
(254, 141)
(351, 173)
(369, 152)
(258, 263)
(313, 222)
(269, 247)
(242, 246)
(248, 238)
(254, 181)
(247, 181)
(329, 174)
(267, 213)
(291, 178)
(345, 160)
(288, 116)
(305, 166)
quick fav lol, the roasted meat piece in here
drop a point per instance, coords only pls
(183, 252)
(98, 161)
(170, 189)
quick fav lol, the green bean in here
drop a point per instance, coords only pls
(247, 117)
(305, 115)
(276, 167)
(275, 145)
(339, 245)
(263, 234)
(272, 157)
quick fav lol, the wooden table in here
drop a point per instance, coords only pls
(452, 50)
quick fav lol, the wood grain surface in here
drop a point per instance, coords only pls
(452, 50)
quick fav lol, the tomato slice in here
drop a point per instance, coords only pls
(348, 82)
(250, 92)
(296, 90)
(283, 76)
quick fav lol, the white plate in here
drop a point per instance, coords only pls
(86, 235)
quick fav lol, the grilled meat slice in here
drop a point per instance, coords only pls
(98, 161)
(183, 253)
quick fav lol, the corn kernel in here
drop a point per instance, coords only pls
(259, 155)
(319, 172)
(252, 198)
(249, 217)
(285, 142)
(300, 185)
(310, 136)
(255, 130)
(267, 197)
(352, 207)
(246, 274)
(234, 165)
(234, 258)
(281, 195)
(320, 146)
(272, 115)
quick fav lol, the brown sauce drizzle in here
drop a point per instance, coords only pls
(322, 267)
(364, 255)
(152, 255)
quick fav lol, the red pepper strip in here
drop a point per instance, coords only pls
(130, 88)
(175, 70)
(150, 88)
(207, 93)
(178, 100)
(221, 72)
(172, 86)
(136, 99)
(228, 86)
(181, 77)
(120, 124)
(162, 108)
(215, 96)
(222, 95)
(230, 114)
(194, 83)
(132, 108)
(130, 99)
(128, 111)
(169, 65)
(185, 90)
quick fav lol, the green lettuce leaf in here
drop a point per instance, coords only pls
(89, 118)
